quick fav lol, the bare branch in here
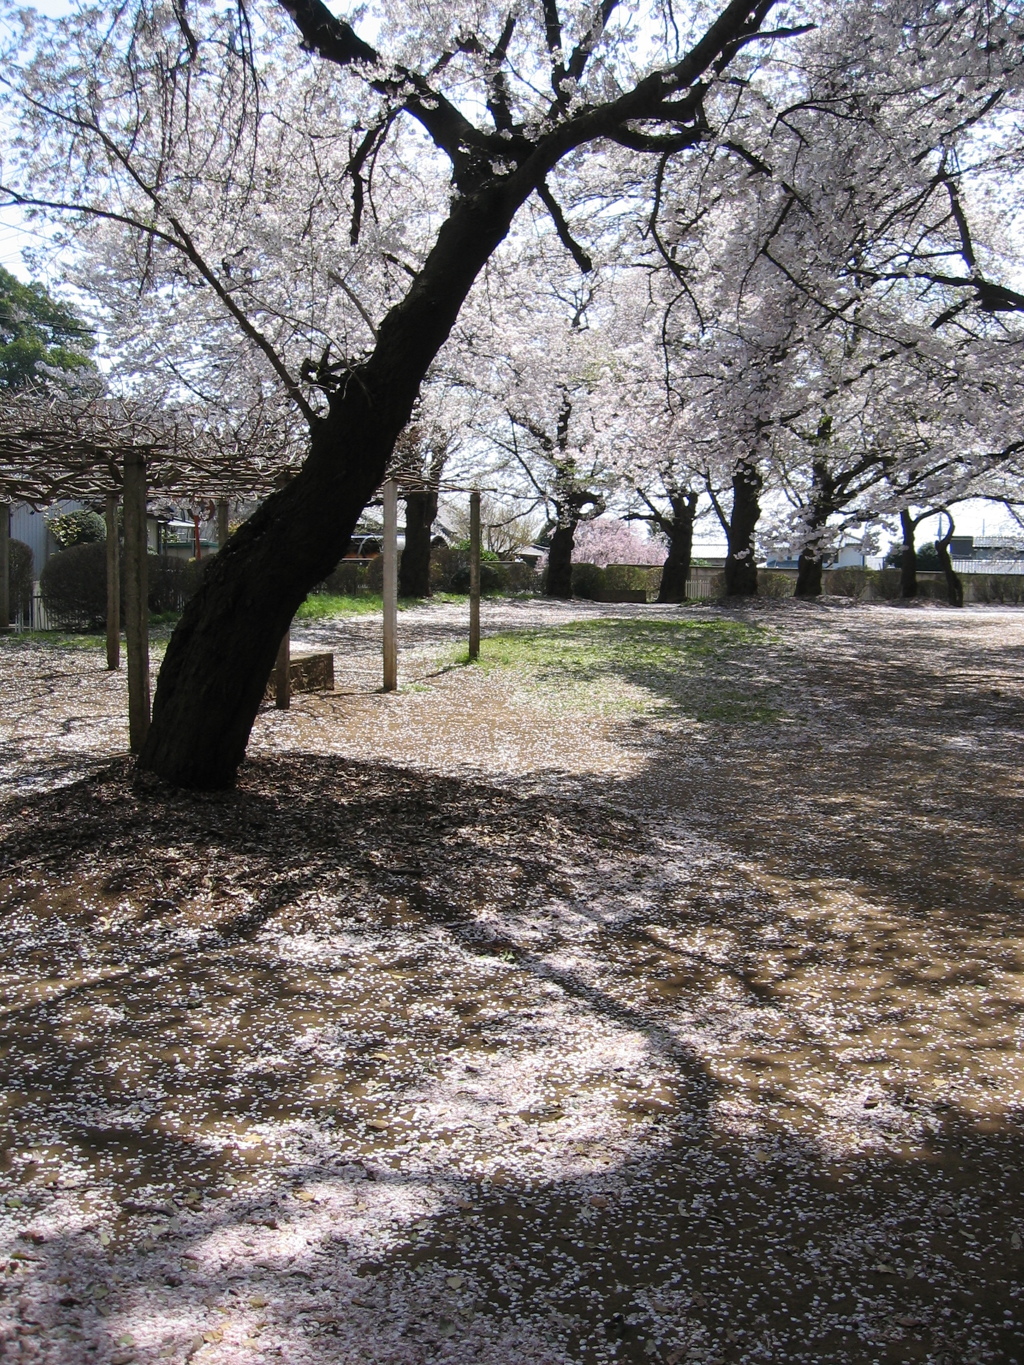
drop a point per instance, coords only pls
(562, 228)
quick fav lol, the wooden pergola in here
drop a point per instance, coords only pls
(97, 449)
(113, 450)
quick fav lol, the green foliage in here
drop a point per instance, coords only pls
(324, 606)
(926, 556)
(19, 577)
(465, 547)
(449, 572)
(612, 666)
(588, 581)
(993, 587)
(850, 581)
(773, 584)
(36, 334)
(631, 578)
(172, 581)
(73, 585)
(492, 580)
(886, 583)
(77, 528)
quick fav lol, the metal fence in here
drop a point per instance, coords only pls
(36, 618)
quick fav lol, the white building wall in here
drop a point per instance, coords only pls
(30, 526)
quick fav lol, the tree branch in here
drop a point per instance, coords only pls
(562, 228)
(336, 41)
(183, 244)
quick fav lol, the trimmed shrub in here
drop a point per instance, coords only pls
(74, 585)
(632, 578)
(445, 563)
(349, 579)
(172, 581)
(77, 528)
(997, 587)
(518, 576)
(849, 581)
(19, 577)
(588, 581)
(772, 584)
(492, 580)
(887, 583)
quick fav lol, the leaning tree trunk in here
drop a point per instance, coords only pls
(221, 653)
(414, 566)
(741, 561)
(675, 573)
(908, 557)
(559, 576)
(954, 586)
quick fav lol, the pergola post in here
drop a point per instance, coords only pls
(390, 586)
(136, 600)
(283, 673)
(5, 567)
(474, 574)
(223, 510)
(113, 585)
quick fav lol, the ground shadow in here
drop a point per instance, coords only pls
(407, 1068)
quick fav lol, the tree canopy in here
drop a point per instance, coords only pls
(38, 334)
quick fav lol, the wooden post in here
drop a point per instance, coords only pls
(223, 508)
(136, 600)
(283, 673)
(390, 586)
(5, 566)
(113, 586)
(474, 575)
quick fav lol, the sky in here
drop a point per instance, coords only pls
(17, 234)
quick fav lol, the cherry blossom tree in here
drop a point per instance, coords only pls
(610, 540)
(229, 155)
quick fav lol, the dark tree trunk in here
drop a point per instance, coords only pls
(675, 573)
(822, 505)
(414, 566)
(741, 561)
(908, 556)
(221, 653)
(559, 576)
(808, 572)
(954, 587)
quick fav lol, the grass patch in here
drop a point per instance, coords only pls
(687, 668)
(56, 639)
(325, 606)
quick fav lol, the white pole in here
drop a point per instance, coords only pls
(390, 586)
(474, 575)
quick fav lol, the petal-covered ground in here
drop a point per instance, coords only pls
(650, 992)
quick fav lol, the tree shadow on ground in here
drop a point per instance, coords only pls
(439, 1072)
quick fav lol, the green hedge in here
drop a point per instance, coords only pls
(73, 585)
(19, 577)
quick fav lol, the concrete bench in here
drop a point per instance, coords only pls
(306, 673)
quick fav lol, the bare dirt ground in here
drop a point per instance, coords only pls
(652, 992)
